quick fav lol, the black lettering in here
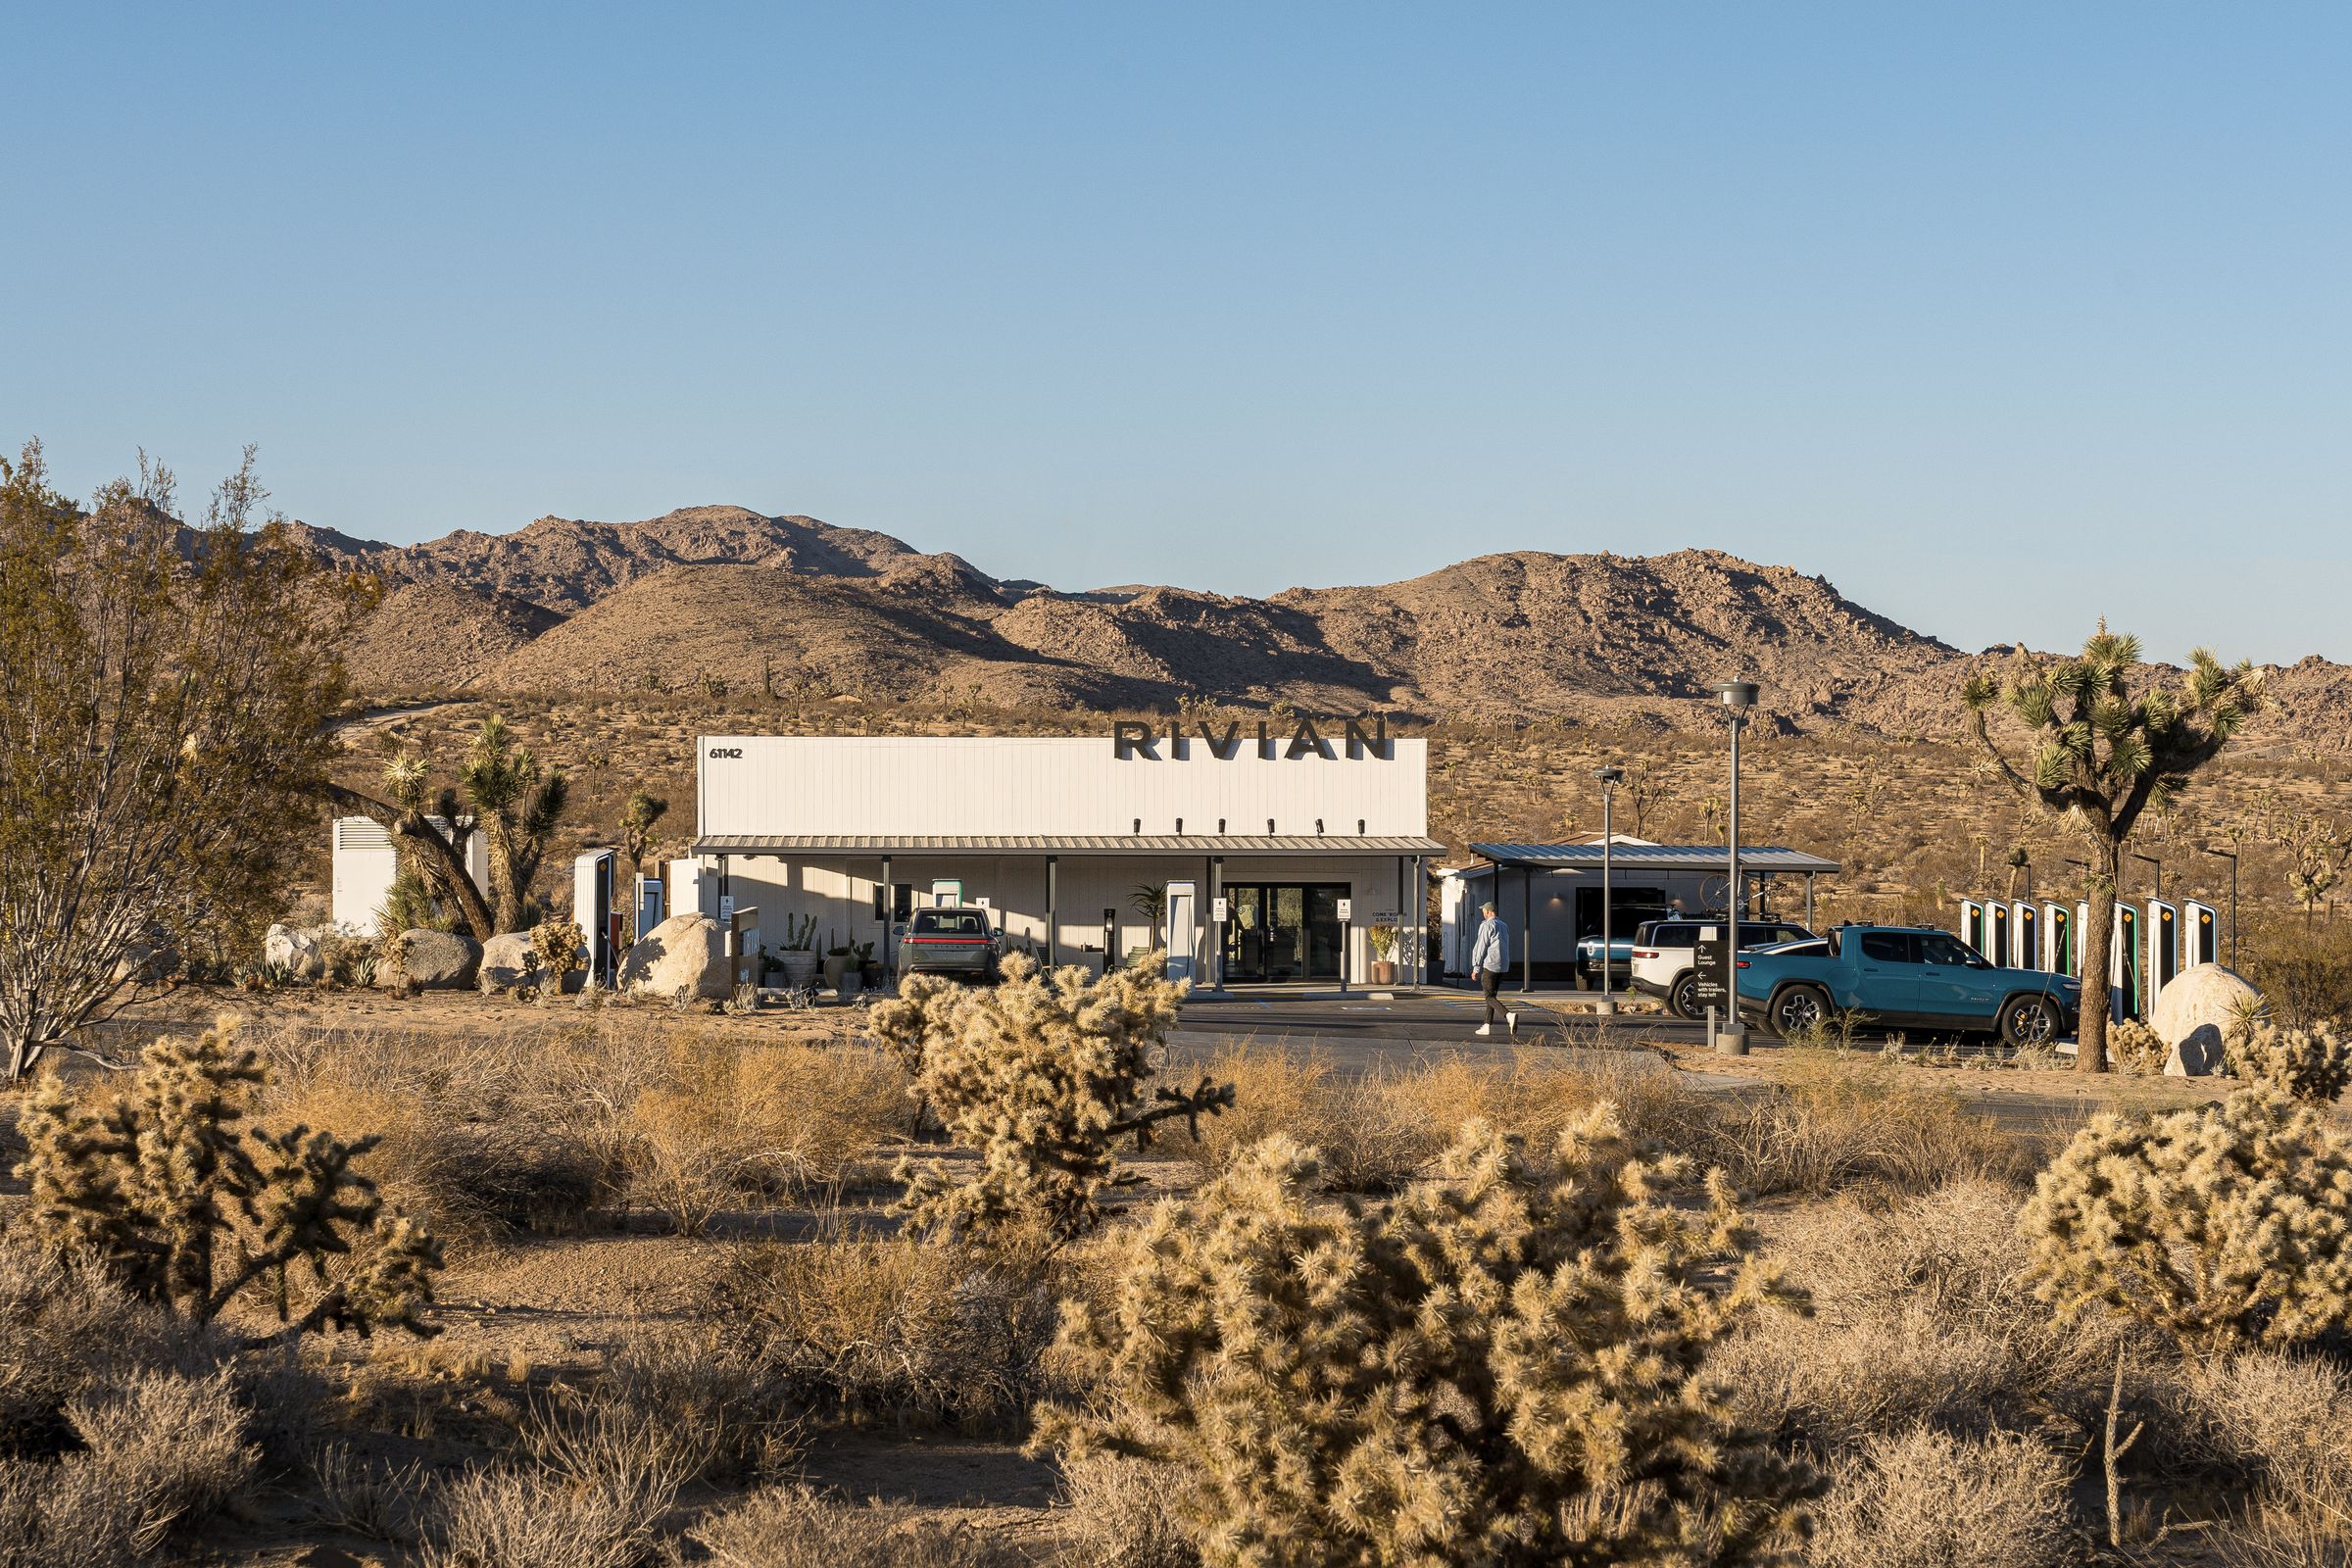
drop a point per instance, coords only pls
(1223, 749)
(1128, 736)
(1374, 740)
(1261, 738)
(1304, 740)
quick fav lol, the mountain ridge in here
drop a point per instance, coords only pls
(723, 595)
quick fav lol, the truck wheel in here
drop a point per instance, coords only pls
(1584, 978)
(1683, 998)
(1797, 1009)
(2029, 1021)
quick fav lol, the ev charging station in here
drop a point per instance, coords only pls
(596, 911)
(1971, 924)
(2164, 949)
(2058, 954)
(2127, 989)
(648, 906)
(2201, 934)
(1183, 909)
(1996, 934)
(2024, 936)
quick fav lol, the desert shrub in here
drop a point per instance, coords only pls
(1124, 1514)
(1834, 1123)
(724, 1406)
(1922, 1312)
(1504, 1365)
(2136, 1049)
(2276, 1419)
(896, 1329)
(1043, 1074)
(730, 1120)
(2313, 1062)
(592, 1496)
(158, 1181)
(2226, 1225)
(2303, 970)
(157, 1451)
(1927, 1498)
(558, 948)
(794, 1527)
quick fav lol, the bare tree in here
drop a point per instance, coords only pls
(162, 698)
(2103, 754)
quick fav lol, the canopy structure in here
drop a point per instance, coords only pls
(1754, 858)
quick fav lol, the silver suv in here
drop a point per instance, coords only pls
(1664, 949)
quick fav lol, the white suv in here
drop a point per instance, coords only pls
(1664, 949)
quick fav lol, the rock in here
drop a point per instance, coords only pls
(295, 951)
(507, 961)
(147, 964)
(2194, 1011)
(684, 953)
(437, 961)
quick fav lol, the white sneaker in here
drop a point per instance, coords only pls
(1484, 1029)
(1510, 1021)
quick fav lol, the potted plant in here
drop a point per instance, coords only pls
(798, 961)
(870, 969)
(1383, 953)
(837, 959)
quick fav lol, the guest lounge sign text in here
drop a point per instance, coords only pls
(1364, 736)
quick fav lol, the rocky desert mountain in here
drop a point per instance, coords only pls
(792, 606)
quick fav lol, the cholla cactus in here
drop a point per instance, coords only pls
(2314, 1063)
(158, 1182)
(1043, 1074)
(2227, 1225)
(1504, 1366)
(557, 949)
(2137, 1048)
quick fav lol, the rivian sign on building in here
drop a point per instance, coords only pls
(1063, 838)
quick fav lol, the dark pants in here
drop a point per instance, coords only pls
(1488, 981)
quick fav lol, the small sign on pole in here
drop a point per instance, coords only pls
(1711, 970)
(1347, 911)
(1219, 912)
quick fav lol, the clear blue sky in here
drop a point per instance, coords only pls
(2000, 318)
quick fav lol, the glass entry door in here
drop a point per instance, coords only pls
(1283, 930)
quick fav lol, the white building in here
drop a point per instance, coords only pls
(367, 863)
(1061, 836)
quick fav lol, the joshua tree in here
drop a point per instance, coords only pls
(639, 817)
(2318, 850)
(163, 706)
(512, 801)
(2104, 753)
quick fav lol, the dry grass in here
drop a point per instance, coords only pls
(1121, 1513)
(2281, 1427)
(899, 1331)
(1927, 1498)
(727, 1121)
(1920, 1313)
(723, 1406)
(158, 1451)
(794, 1527)
(593, 1495)
(1839, 1121)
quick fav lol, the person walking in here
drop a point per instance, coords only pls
(1490, 960)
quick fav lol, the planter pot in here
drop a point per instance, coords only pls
(871, 975)
(798, 969)
(835, 963)
(1384, 972)
(849, 985)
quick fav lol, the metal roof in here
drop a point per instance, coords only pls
(1653, 857)
(1068, 844)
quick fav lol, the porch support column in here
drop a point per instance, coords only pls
(1420, 970)
(1527, 928)
(890, 910)
(1216, 938)
(1808, 901)
(1053, 878)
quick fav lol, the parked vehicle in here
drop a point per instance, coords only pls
(1623, 924)
(956, 941)
(1664, 949)
(1904, 977)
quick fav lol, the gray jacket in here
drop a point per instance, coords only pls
(1492, 953)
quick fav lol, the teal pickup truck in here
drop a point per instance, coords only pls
(1903, 977)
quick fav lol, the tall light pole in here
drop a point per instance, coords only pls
(1736, 697)
(2157, 890)
(2232, 856)
(1610, 778)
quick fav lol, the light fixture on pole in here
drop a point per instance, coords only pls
(1737, 698)
(1610, 778)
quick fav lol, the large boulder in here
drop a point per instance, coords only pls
(2194, 1011)
(507, 961)
(437, 961)
(295, 951)
(685, 952)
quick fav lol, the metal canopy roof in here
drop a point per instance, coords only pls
(1653, 857)
(1068, 844)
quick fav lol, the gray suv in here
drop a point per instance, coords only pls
(960, 942)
